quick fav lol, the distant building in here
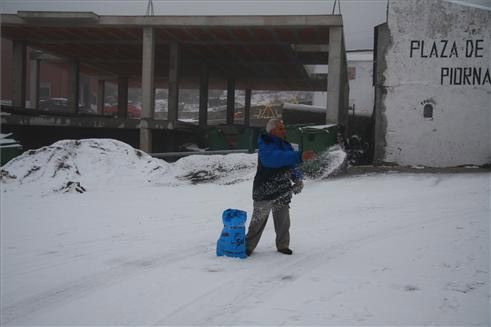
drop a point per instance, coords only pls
(360, 75)
(433, 84)
(53, 83)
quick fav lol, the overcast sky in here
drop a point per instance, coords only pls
(359, 16)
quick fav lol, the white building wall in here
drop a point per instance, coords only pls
(432, 43)
(361, 92)
(319, 99)
(361, 88)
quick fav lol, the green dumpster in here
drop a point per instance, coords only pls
(230, 137)
(216, 139)
(9, 149)
(248, 138)
(318, 138)
(294, 134)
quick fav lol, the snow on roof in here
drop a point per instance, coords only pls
(360, 55)
(320, 126)
(11, 144)
(479, 4)
(7, 141)
(303, 107)
(4, 140)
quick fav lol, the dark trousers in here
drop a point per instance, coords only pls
(281, 218)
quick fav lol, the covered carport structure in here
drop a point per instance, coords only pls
(203, 52)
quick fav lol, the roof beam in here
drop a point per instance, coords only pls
(311, 47)
(88, 18)
(295, 47)
(58, 17)
(216, 60)
(270, 50)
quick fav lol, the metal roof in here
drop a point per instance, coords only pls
(261, 52)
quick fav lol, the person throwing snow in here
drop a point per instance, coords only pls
(277, 178)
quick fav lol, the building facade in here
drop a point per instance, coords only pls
(360, 76)
(433, 84)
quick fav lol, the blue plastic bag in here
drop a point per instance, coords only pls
(232, 239)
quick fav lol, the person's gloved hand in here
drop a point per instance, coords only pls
(297, 187)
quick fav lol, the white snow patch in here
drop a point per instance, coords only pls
(382, 249)
(92, 163)
(377, 250)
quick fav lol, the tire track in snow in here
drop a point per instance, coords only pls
(229, 298)
(81, 287)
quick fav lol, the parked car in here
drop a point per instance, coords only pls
(53, 104)
(134, 111)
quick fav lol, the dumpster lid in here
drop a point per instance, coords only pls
(5, 141)
(10, 145)
(318, 127)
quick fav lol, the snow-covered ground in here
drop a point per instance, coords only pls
(136, 245)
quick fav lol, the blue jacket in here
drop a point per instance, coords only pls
(276, 170)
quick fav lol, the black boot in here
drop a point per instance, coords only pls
(285, 251)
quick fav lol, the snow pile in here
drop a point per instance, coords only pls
(225, 170)
(78, 165)
(75, 166)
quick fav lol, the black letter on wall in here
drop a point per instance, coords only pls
(413, 47)
(444, 73)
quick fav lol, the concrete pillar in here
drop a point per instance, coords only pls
(148, 88)
(34, 83)
(247, 108)
(343, 114)
(101, 94)
(73, 86)
(19, 73)
(122, 97)
(85, 91)
(174, 62)
(145, 137)
(230, 100)
(334, 75)
(383, 39)
(203, 95)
